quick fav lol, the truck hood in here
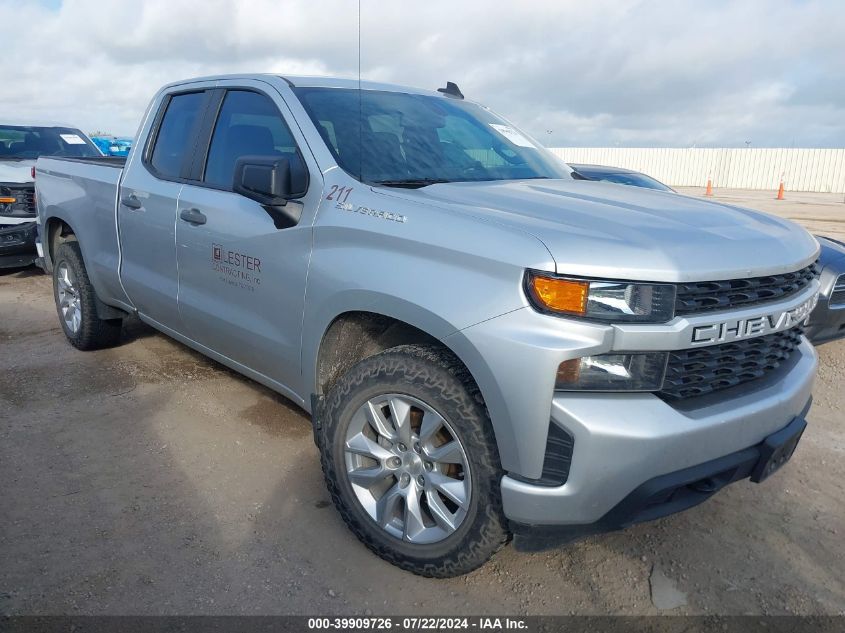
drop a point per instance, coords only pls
(599, 229)
(16, 170)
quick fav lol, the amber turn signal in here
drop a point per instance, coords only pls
(7, 200)
(561, 295)
(568, 372)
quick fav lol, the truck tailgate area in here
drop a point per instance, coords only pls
(82, 194)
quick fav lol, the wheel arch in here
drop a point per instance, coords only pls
(56, 230)
(386, 319)
(351, 335)
(355, 335)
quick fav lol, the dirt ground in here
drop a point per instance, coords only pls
(147, 479)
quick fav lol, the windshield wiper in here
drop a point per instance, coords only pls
(411, 183)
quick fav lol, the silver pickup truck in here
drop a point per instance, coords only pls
(487, 346)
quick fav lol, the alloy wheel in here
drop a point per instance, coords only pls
(69, 300)
(408, 468)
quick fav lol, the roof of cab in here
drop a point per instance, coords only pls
(340, 82)
(311, 82)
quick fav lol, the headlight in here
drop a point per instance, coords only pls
(612, 301)
(613, 372)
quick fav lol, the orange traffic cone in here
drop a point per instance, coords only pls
(709, 191)
(780, 190)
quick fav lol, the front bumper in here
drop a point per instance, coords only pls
(674, 492)
(17, 245)
(622, 441)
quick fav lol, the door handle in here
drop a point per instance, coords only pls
(192, 216)
(131, 202)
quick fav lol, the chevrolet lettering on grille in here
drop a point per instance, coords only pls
(732, 330)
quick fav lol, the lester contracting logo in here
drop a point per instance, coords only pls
(235, 268)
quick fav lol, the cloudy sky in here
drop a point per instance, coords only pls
(587, 73)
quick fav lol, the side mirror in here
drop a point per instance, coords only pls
(272, 181)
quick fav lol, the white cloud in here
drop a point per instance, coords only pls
(593, 73)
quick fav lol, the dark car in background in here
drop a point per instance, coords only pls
(20, 147)
(618, 175)
(827, 322)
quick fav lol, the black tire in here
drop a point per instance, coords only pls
(93, 332)
(433, 376)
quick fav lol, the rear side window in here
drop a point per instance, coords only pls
(249, 124)
(174, 133)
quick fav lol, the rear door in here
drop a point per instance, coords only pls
(147, 206)
(241, 279)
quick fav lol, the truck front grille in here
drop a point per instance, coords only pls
(706, 296)
(24, 204)
(702, 370)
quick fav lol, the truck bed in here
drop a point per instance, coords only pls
(107, 161)
(82, 192)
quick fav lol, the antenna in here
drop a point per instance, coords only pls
(360, 106)
(451, 90)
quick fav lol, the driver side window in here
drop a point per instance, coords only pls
(249, 124)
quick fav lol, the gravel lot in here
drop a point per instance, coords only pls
(147, 479)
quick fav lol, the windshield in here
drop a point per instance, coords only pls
(19, 142)
(411, 140)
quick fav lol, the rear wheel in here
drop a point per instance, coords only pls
(410, 460)
(76, 302)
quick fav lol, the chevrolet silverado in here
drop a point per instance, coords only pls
(488, 347)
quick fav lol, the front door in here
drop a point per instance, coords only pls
(241, 279)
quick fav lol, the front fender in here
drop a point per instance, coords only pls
(317, 322)
(431, 323)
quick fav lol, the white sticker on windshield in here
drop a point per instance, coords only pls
(512, 135)
(72, 139)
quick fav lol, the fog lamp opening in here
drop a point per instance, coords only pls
(638, 371)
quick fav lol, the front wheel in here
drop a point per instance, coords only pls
(411, 462)
(76, 302)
